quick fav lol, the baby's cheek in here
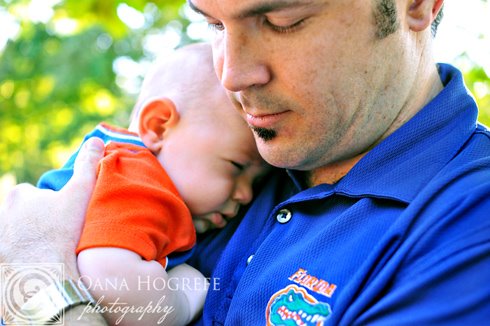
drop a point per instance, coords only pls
(207, 201)
(220, 193)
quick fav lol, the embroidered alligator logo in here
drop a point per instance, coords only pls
(293, 306)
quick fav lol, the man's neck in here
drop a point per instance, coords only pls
(331, 173)
(426, 89)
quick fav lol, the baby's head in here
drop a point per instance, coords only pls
(185, 118)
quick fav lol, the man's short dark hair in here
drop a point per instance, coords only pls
(386, 19)
(437, 21)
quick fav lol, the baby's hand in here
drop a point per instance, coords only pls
(193, 285)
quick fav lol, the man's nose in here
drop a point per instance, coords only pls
(240, 63)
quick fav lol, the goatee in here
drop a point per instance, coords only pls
(264, 134)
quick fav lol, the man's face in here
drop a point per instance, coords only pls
(314, 81)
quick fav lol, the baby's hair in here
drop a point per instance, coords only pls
(178, 75)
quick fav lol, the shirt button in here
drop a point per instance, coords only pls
(283, 216)
(249, 259)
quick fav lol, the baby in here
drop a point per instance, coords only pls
(187, 157)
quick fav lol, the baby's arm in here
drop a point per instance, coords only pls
(115, 276)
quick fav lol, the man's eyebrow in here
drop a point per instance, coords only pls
(270, 6)
(193, 7)
(261, 8)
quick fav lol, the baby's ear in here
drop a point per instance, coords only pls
(421, 13)
(157, 116)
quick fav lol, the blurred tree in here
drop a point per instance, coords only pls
(478, 83)
(62, 72)
(57, 78)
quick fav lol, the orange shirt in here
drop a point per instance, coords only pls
(136, 206)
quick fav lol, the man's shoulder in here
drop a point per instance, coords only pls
(449, 217)
(470, 165)
(462, 187)
(481, 137)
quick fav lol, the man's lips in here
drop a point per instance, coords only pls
(265, 120)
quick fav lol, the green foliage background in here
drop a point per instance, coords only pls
(55, 87)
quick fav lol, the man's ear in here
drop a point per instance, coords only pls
(421, 13)
(157, 116)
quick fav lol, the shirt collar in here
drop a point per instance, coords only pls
(401, 165)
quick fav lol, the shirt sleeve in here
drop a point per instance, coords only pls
(135, 206)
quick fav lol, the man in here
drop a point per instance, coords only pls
(382, 216)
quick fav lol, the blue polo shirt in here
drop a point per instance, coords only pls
(402, 239)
